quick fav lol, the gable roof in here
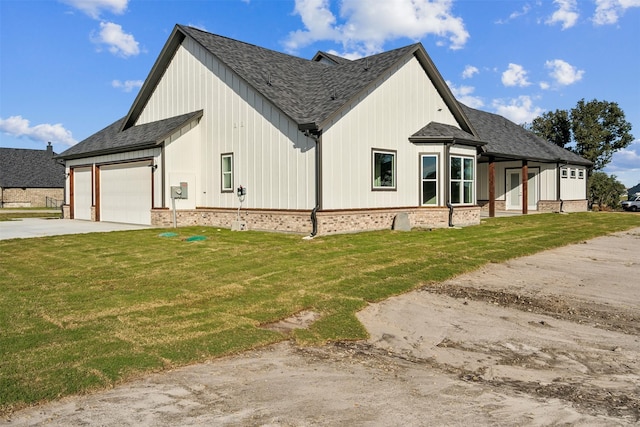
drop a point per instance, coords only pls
(508, 140)
(22, 168)
(309, 92)
(441, 132)
(111, 139)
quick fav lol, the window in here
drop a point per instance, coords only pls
(384, 170)
(580, 173)
(572, 173)
(429, 180)
(462, 180)
(227, 172)
(564, 173)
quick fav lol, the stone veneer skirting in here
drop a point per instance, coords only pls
(544, 205)
(329, 222)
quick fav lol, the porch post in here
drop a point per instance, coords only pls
(525, 187)
(492, 187)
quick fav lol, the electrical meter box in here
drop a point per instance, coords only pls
(180, 192)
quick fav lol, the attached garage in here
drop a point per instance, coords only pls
(82, 195)
(125, 192)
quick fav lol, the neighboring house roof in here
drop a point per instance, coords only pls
(508, 140)
(22, 168)
(111, 139)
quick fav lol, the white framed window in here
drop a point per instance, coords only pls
(564, 173)
(383, 169)
(572, 173)
(462, 180)
(429, 179)
(226, 167)
(580, 173)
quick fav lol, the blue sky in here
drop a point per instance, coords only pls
(69, 68)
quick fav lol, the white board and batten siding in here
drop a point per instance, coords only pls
(271, 157)
(384, 118)
(574, 186)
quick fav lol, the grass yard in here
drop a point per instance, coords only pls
(10, 214)
(85, 312)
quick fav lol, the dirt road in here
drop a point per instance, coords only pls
(548, 339)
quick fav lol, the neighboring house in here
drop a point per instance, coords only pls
(30, 178)
(325, 145)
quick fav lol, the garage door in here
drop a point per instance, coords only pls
(82, 194)
(125, 193)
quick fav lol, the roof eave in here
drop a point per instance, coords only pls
(535, 159)
(140, 146)
(451, 140)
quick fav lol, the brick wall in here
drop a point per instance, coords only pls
(329, 222)
(30, 197)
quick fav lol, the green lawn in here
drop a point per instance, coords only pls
(83, 312)
(10, 214)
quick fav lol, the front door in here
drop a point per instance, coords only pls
(514, 190)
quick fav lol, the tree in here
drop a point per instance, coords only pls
(595, 129)
(605, 190)
(599, 130)
(555, 127)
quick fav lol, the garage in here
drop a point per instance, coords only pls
(125, 193)
(82, 197)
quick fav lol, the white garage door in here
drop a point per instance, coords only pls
(82, 195)
(125, 193)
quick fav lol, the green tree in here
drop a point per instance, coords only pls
(599, 130)
(555, 127)
(594, 130)
(605, 190)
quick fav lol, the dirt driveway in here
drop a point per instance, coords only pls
(548, 339)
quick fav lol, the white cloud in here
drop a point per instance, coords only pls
(365, 29)
(566, 14)
(94, 8)
(20, 127)
(519, 110)
(525, 9)
(609, 11)
(545, 85)
(625, 164)
(119, 43)
(464, 95)
(563, 73)
(127, 85)
(469, 71)
(515, 75)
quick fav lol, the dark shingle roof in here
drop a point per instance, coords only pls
(506, 139)
(307, 91)
(436, 131)
(21, 168)
(111, 139)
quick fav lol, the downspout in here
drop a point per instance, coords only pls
(558, 185)
(315, 135)
(447, 154)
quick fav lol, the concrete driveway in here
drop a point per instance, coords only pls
(40, 227)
